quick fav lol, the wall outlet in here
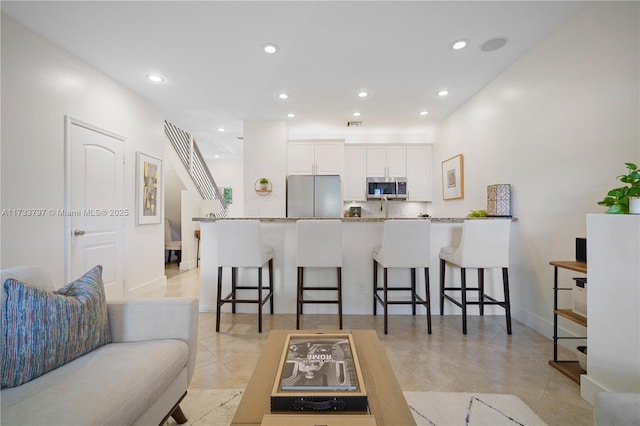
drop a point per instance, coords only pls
(361, 287)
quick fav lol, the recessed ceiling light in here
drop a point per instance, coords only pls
(443, 92)
(459, 44)
(423, 113)
(283, 95)
(356, 114)
(220, 129)
(155, 78)
(363, 94)
(493, 44)
(216, 156)
(270, 48)
(291, 115)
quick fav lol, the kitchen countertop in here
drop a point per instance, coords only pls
(347, 219)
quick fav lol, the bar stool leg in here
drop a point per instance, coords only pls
(299, 298)
(481, 291)
(386, 300)
(442, 270)
(271, 286)
(427, 295)
(234, 283)
(463, 279)
(375, 286)
(218, 304)
(260, 300)
(507, 303)
(413, 291)
(340, 295)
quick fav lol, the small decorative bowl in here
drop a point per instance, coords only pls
(582, 357)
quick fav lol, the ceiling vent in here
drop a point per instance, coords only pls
(354, 123)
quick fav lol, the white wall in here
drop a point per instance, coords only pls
(558, 126)
(190, 206)
(613, 256)
(265, 155)
(40, 84)
(173, 188)
(230, 173)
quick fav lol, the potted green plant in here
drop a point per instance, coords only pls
(264, 184)
(618, 199)
(477, 213)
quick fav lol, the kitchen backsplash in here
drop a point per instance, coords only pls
(394, 208)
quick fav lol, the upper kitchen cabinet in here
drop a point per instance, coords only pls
(315, 158)
(419, 173)
(386, 161)
(355, 173)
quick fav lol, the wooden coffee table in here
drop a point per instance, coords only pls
(386, 401)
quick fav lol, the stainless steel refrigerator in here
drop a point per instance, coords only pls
(313, 196)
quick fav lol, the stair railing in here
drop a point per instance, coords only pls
(193, 161)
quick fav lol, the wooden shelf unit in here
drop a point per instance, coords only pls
(571, 369)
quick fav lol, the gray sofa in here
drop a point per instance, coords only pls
(137, 379)
(617, 409)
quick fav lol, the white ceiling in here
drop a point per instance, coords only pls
(217, 75)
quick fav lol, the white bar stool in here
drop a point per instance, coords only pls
(319, 246)
(405, 244)
(484, 244)
(240, 246)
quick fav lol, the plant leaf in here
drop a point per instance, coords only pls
(616, 209)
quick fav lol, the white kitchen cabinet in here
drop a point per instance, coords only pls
(386, 161)
(314, 158)
(419, 173)
(355, 173)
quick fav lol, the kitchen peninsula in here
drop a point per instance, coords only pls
(359, 237)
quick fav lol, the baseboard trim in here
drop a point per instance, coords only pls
(187, 265)
(207, 308)
(589, 388)
(154, 284)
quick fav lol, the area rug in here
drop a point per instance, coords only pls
(209, 407)
(455, 408)
(213, 407)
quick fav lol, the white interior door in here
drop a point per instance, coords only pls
(95, 199)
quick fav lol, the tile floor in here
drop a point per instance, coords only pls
(486, 360)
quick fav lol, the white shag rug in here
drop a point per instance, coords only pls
(213, 407)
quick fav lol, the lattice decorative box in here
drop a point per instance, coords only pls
(499, 200)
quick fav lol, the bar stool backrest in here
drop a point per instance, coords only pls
(484, 244)
(240, 243)
(319, 243)
(405, 243)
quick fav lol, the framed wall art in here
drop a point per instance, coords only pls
(149, 189)
(453, 178)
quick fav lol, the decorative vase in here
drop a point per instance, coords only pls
(634, 205)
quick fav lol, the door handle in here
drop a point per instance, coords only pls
(78, 232)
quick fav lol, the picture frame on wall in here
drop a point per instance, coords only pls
(453, 178)
(148, 189)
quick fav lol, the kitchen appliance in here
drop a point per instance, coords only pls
(355, 211)
(389, 188)
(314, 196)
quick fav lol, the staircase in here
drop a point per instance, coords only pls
(188, 152)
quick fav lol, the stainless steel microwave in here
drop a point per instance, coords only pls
(389, 188)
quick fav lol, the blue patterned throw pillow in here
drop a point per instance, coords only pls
(42, 330)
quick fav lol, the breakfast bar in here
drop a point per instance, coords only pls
(360, 237)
